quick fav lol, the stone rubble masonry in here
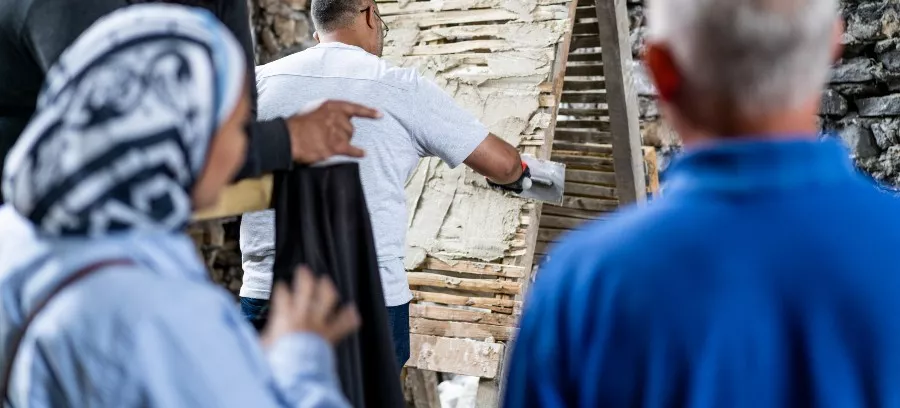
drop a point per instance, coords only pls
(861, 104)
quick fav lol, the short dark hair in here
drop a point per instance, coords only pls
(330, 15)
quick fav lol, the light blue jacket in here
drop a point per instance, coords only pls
(156, 334)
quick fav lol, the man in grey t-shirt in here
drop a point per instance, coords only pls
(420, 120)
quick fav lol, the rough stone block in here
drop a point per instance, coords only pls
(885, 132)
(854, 70)
(833, 104)
(860, 141)
(857, 90)
(879, 106)
(890, 60)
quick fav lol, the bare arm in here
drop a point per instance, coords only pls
(497, 160)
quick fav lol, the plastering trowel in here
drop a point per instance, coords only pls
(547, 181)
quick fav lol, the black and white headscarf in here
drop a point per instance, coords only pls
(124, 123)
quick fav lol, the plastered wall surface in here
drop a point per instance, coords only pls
(498, 68)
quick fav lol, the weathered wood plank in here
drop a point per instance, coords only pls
(584, 70)
(464, 330)
(592, 177)
(597, 125)
(592, 204)
(581, 136)
(571, 212)
(585, 162)
(590, 190)
(585, 28)
(584, 112)
(565, 223)
(423, 384)
(584, 85)
(477, 268)
(598, 149)
(437, 312)
(585, 12)
(474, 285)
(394, 8)
(612, 22)
(584, 41)
(586, 57)
(246, 196)
(583, 97)
(498, 305)
(550, 234)
(430, 19)
(457, 356)
(652, 170)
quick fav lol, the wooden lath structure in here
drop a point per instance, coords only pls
(597, 133)
(465, 311)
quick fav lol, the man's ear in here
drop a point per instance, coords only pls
(316, 37)
(370, 17)
(663, 70)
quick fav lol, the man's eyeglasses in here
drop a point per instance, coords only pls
(384, 26)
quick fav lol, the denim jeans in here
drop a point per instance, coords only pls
(398, 318)
(256, 311)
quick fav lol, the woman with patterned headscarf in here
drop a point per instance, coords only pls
(141, 122)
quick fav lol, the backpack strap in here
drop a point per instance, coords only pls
(17, 338)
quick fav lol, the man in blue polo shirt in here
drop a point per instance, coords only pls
(766, 276)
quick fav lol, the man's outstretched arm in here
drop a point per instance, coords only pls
(497, 160)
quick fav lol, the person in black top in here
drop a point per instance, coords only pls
(33, 34)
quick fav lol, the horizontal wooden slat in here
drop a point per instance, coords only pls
(586, 12)
(553, 221)
(584, 85)
(595, 125)
(389, 9)
(583, 97)
(582, 162)
(436, 312)
(570, 212)
(586, 28)
(590, 190)
(582, 112)
(593, 177)
(580, 136)
(586, 41)
(246, 196)
(586, 57)
(474, 285)
(478, 268)
(473, 331)
(430, 19)
(550, 234)
(497, 305)
(593, 204)
(584, 70)
(597, 149)
(540, 249)
(456, 356)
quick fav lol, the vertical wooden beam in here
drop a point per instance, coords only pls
(612, 19)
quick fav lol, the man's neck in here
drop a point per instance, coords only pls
(788, 125)
(342, 36)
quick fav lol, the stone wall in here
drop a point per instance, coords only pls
(861, 104)
(281, 27)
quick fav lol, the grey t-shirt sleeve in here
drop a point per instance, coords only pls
(440, 127)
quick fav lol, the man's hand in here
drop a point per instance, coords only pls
(325, 131)
(309, 307)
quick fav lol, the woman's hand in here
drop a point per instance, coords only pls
(309, 307)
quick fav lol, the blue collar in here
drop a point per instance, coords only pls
(750, 166)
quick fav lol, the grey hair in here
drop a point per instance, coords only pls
(330, 15)
(759, 55)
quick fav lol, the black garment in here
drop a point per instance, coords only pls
(33, 34)
(321, 221)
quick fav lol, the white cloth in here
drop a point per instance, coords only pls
(420, 120)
